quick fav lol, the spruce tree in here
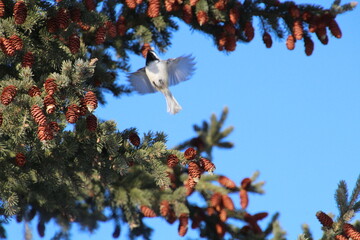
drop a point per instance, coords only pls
(57, 59)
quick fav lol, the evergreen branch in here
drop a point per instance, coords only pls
(341, 197)
(355, 194)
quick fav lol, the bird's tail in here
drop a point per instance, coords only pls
(173, 106)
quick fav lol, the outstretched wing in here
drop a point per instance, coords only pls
(140, 82)
(180, 69)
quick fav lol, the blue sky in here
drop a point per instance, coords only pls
(296, 119)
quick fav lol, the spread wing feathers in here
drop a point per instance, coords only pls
(140, 82)
(180, 69)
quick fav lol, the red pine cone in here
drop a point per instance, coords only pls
(1, 119)
(50, 104)
(216, 201)
(34, 91)
(230, 44)
(63, 18)
(144, 49)
(164, 208)
(138, 2)
(100, 35)
(245, 183)
(190, 153)
(207, 165)
(110, 29)
(148, 212)
(131, 4)
(220, 229)
(187, 13)
(90, 5)
(227, 202)
(116, 232)
(194, 171)
(267, 39)
(324, 219)
(38, 115)
(20, 159)
(45, 132)
(244, 198)
(72, 113)
(220, 4)
(226, 182)
(193, 2)
(351, 232)
(341, 237)
(210, 211)
(7, 47)
(52, 25)
(153, 8)
(190, 186)
(75, 14)
(28, 60)
(2, 8)
(172, 160)
(91, 101)
(20, 12)
(91, 122)
(183, 224)
(17, 42)
(134, 139)
(121, 26)
(334, 28)
(321, 35)
(50, 86)
(8, 94)
(202, 17)
(171, 5)
(249, 31)
(234, 14)
(298, 30)
(223, 215)
(309, 46)
(74, 43)
(290, 42)
(54, 126)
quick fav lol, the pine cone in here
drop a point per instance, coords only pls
(90, 5)
(334, 28)
(207, 165)
(20, 12)
(245, 183)
(91, 122)
(221, 41)
(34, 91)
(131, 4)
(290, 42)
(74, 43)
(298, 30)
(148, 212)
(341, 237)
(7, 47)
(52, 25)
(72, 113)
(75, 14)
(190, 186)
(187, 13)
(223, 215)
(28, 60)
(153, 8)
(134, 139)
(267, 40)
(50, 104)
(169, 5)
(110, 29)
(54, 126)
(20, 159)
(91, 101)
(194, 171)
(216, 201)
(234, 15)
(220, 4)
(249, 31)
(183, 224)
(229, 29)
(63, 18)
(351, 232)
(244, 198)
(227, 182)
(321, 35)
(121, 26)
(138, 2)
(190, 153)
(83, 108)
(45, 132)
(17, 42)
(230, 44)
(144, 49)
(38, 115)
(227, 202)
(171, 217)
(100, 35)
(116, 232)
(164, 208)
(309, 46)
(220, 229)
(202, 17)
(8, 94)
(41, 229)
(2, 8)
(294, 11)
(172, 160)
(50, 86)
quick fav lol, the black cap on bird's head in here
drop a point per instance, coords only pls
(151, 56)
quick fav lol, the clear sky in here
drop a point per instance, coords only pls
(296, 119)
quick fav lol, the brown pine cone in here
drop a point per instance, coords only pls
(50, 104)
(172, 160)
(91, 101)
(8, 94)
(171, 217)
(309, 46)
(190, 153)
(216, 201)
(20, 159)
(72, 114)
(28, 60)
(230, 43)
(194, 171)
(75, 14)
(294, 11)
(2, 8)
(226, 182)
(34, 91)
(20, 12)
(121, 26)
(183, 224)
(202, 17)
(223, 215)
(110, 29)
(116, 232)
(7, 47)
(41, 229)
(207, 165)
(324, 219)
(38, 115)
(90, 5)
(45, 132)
(134, 139)
(153, 8)
(63, 18)
(187, 13)
(190, 186)
(334, 28)
(83, 108)
(131, 4)
(290, 42)
(220, 229)
(52, 25)
(298, 30)
(100, 35)
(74, 43)
(17, 42)
(91, 123)
(54, 126)
(220, 4)
(341, 237)
(321, 35)
(351, 232)
(245, 183)
(267, 39)
(249, 31)
(50, 86)
(164, 208)
(234, 14)
(244, 198)
(227, 202)
(148, 212)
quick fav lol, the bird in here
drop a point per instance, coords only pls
(158, 75)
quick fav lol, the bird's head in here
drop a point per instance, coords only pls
(151, 56)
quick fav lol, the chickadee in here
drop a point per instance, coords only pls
(159, 74)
